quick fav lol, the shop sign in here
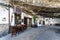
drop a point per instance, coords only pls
(17, 10)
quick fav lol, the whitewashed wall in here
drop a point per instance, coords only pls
(39, 24)
(52, 21)
(4, 19)
(47, 21)
(55, 20)
(4, 23)
(26, 15)
(4, 15)
(12, 17)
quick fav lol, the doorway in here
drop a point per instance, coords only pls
(25, 21)
(17, 19)
(43, 22)
(30, 22)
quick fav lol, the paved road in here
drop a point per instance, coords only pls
(40, 33)
(52, 33)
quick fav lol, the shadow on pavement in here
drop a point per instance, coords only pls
(55, 30)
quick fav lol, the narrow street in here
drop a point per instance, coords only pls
(40, 33)
(29, 19)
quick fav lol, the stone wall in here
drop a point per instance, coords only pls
(4, 28)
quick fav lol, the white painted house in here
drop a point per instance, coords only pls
(6, 18)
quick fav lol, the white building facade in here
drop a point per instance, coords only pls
(4, 16)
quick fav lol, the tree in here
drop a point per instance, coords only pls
(34, 17)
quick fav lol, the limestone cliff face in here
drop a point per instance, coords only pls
(45, 3)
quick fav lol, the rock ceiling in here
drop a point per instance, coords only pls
(41, 7)
(45, 3)
(52, 3)
(54, 0)
(48, 8)
(49, 3)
